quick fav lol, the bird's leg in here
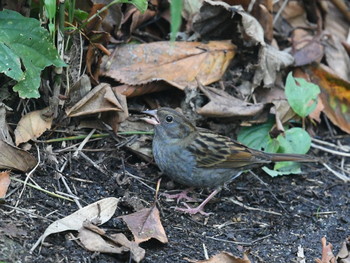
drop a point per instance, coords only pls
(199, 209)
(180, 196)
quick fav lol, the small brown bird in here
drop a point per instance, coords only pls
(197, 157)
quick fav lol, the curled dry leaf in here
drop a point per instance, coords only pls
(222, 104)
(102, 99)
(344, 252)
(4, 128)
(96, 239)
(33, 124)
(223, 257)
(145, 224)
(99, 99)
(14, 158)
(335, 95)
(178, 64)
(100, 211)
(4, 183)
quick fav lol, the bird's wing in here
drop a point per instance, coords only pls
(216, 151)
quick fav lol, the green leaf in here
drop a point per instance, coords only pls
(30, 43)
(301, 95)
(10, 64)
(295, 140)
(175, 11)
(258, 137)
(291, 170)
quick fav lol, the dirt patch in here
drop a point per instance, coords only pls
(269, 216)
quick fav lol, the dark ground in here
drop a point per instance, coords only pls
(307, 207)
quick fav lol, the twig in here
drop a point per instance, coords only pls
(330, 150)
(253, 208)
(81, 146)
(27, 177)
(41, 189)
(339, 175)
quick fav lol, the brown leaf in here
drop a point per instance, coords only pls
(4, 183)
(99, 99)
(96, 239)
(306, 47)
(344, 252)
(222, 104)
(335, 95)
(138, 90)
(4, 128)
(327, 254)
(145, 224)
(33, 124)
(12, 157)
(178, 64)
(223, 257)
(94, 242)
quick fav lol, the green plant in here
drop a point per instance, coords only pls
(23, 42)
(175, 11)
(294, 140)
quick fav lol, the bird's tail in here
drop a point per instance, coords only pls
(285, 157)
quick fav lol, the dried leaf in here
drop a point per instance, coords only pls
(222, 104)
(178, 64)
(99, 99)
(4, 183)
(4, 128)
(335, 95)
(33, 124)
(223, 257)
(91, 237)
(344, 252)
(94, 242)
(145, 224)
(12, 157)
(218, 13)
(100, 211)
(138, 90)
(337, 58)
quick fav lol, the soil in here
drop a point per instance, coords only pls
(270, 217)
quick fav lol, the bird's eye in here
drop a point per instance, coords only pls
(169, 119)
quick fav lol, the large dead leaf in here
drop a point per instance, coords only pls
(96, 239)
(223, 257)
(33, 124)
(99, 212)
(335, 95)
(12, 157)
(4, 183)
(222, 104)
(178, 64)
(145, 224)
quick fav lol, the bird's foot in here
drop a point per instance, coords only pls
(180, 196)
(193, 211)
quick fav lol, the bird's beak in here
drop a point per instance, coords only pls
(153, 117)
